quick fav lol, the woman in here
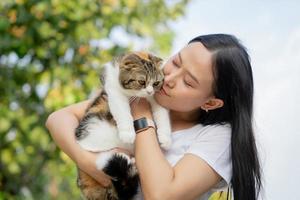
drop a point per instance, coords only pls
(208, 89)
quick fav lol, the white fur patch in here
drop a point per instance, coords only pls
(133, 170)
(102, 136)
(103, 158)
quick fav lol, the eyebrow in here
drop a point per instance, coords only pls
(189, 73)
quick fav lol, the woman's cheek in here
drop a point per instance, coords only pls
(180, 103)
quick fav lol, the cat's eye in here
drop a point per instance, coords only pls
(141, 82)
(156, 83)
(130, 80)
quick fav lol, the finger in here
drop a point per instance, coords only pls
(103, 179)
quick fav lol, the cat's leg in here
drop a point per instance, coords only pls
(120, 109)
(162, 121)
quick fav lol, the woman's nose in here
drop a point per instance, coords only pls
(170, 84)
(170, 79)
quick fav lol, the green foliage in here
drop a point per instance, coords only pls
(221, 196)
(50, 58)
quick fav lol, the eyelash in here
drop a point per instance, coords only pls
(176, 65)
(187, 84)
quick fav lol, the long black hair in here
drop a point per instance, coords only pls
(233, 83)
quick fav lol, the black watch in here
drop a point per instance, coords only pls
(143, 124)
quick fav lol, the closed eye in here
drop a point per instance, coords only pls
(174, 63)
(187, 84)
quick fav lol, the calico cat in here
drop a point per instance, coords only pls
(108, 123)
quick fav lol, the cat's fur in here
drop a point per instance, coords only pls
(108, 123)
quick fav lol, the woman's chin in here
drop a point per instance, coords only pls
(161, 100)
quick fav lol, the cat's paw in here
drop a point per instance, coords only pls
(133, 169)
(165, 141)
(124, 156)
(127, 136)
(130, 162)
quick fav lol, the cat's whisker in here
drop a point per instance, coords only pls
(132, 99)
(138, 99)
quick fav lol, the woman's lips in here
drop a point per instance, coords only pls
(163, 92)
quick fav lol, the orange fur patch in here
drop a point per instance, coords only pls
(142, 55)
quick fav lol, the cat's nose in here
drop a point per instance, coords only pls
(149, 90)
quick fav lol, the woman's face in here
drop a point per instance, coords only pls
(188, 79)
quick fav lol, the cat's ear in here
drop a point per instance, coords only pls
(128, 60)
(158, 61)
(131, 57)
(142, 55)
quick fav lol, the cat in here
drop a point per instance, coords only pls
(108, 123)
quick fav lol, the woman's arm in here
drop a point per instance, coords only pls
(188, 179)
(61, 125)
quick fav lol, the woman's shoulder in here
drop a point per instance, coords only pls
(224, 127)
(199, 133)
(212, 129)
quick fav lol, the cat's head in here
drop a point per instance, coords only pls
(140, 73)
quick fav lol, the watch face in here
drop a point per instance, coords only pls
(140, 124)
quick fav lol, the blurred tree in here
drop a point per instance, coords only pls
(51, 56)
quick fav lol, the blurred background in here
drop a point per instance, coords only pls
(52, 52)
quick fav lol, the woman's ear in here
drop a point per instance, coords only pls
(212, 104)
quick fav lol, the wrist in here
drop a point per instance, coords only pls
(89, 166)
(146, 115)
(143, 124)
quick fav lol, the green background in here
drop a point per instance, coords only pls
(50, 59)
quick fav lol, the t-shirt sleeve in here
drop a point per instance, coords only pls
(213, 146)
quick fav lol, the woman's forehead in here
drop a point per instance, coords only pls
(197, 53)
(197, 59)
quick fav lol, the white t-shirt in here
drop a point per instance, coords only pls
(211, 143)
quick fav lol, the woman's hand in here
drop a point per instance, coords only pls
(140, 107)
(88, 165)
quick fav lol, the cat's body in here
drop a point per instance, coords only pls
(108, 124)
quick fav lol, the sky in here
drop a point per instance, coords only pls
(271, 32)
